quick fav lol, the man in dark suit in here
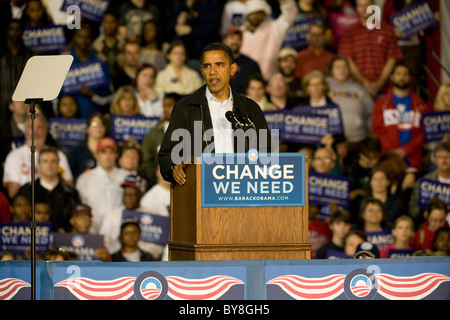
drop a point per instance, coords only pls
(202, 118)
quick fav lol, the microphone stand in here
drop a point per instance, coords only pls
(32, 103)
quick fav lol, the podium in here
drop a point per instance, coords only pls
(234, 233)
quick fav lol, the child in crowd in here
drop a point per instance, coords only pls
(21, 207)
(42, 210)
(403, 233)
(130, 233)
(441, 241)
(353, 239)
(133, 189)
(340, 226)
(372, 217)
(81, 221)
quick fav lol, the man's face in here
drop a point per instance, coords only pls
(287, 65)
(361, 7)
(40, 132)
(442, 158)
(256, 18)
(322, 161)
(109, 24)
(14, 32)
(48, 164)
(234, 41)
(217, 71)
(107, 158)
(316, 37)
(401, 78)
(82, 39)
(132, 54)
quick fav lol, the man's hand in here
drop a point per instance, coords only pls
(178, 173)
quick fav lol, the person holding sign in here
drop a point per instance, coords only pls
(440, 175)
(396, 118)
(403, 232)
(207, 107)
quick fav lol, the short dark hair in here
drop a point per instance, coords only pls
(401, 63)
(340, 215)
(442, 146)
(48, 149)
(218, 46)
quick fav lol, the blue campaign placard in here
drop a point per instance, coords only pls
(67, 131)
(414, 19)
(92, 10)
(429, 188)
(296, 36)
(436, 125)
(154, 228)
(253, 180)
(45, 39)
(304, 127)
(380, 238)
(275, 122)
(83, 245)
(124, 127)
(92, 74)
(324, 189)
(16, 237)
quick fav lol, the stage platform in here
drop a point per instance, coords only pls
(360, 279)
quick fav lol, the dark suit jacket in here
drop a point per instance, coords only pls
(195, 108)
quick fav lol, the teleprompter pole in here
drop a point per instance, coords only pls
(32, 103)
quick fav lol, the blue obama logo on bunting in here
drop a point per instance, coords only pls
(360, 284)
(151, 285)
(253, 179)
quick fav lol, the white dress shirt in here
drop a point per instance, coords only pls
(223, 133)
(102, 192)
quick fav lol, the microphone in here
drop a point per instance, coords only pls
(248, 121)
(233, 119)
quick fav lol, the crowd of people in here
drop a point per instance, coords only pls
(150, 52)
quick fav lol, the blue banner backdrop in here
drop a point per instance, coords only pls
(409, 278)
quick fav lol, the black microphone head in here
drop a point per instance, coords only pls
(230, 116)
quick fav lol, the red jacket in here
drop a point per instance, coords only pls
(385, 127)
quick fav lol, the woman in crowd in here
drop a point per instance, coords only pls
(125, 103)
(177, 76)
(82, 156)
(152, 52)
(150, 100)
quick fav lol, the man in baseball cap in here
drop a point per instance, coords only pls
(136, 182)
(107, 142)
(81, 219)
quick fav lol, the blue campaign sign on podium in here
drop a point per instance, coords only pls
(253, 179)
